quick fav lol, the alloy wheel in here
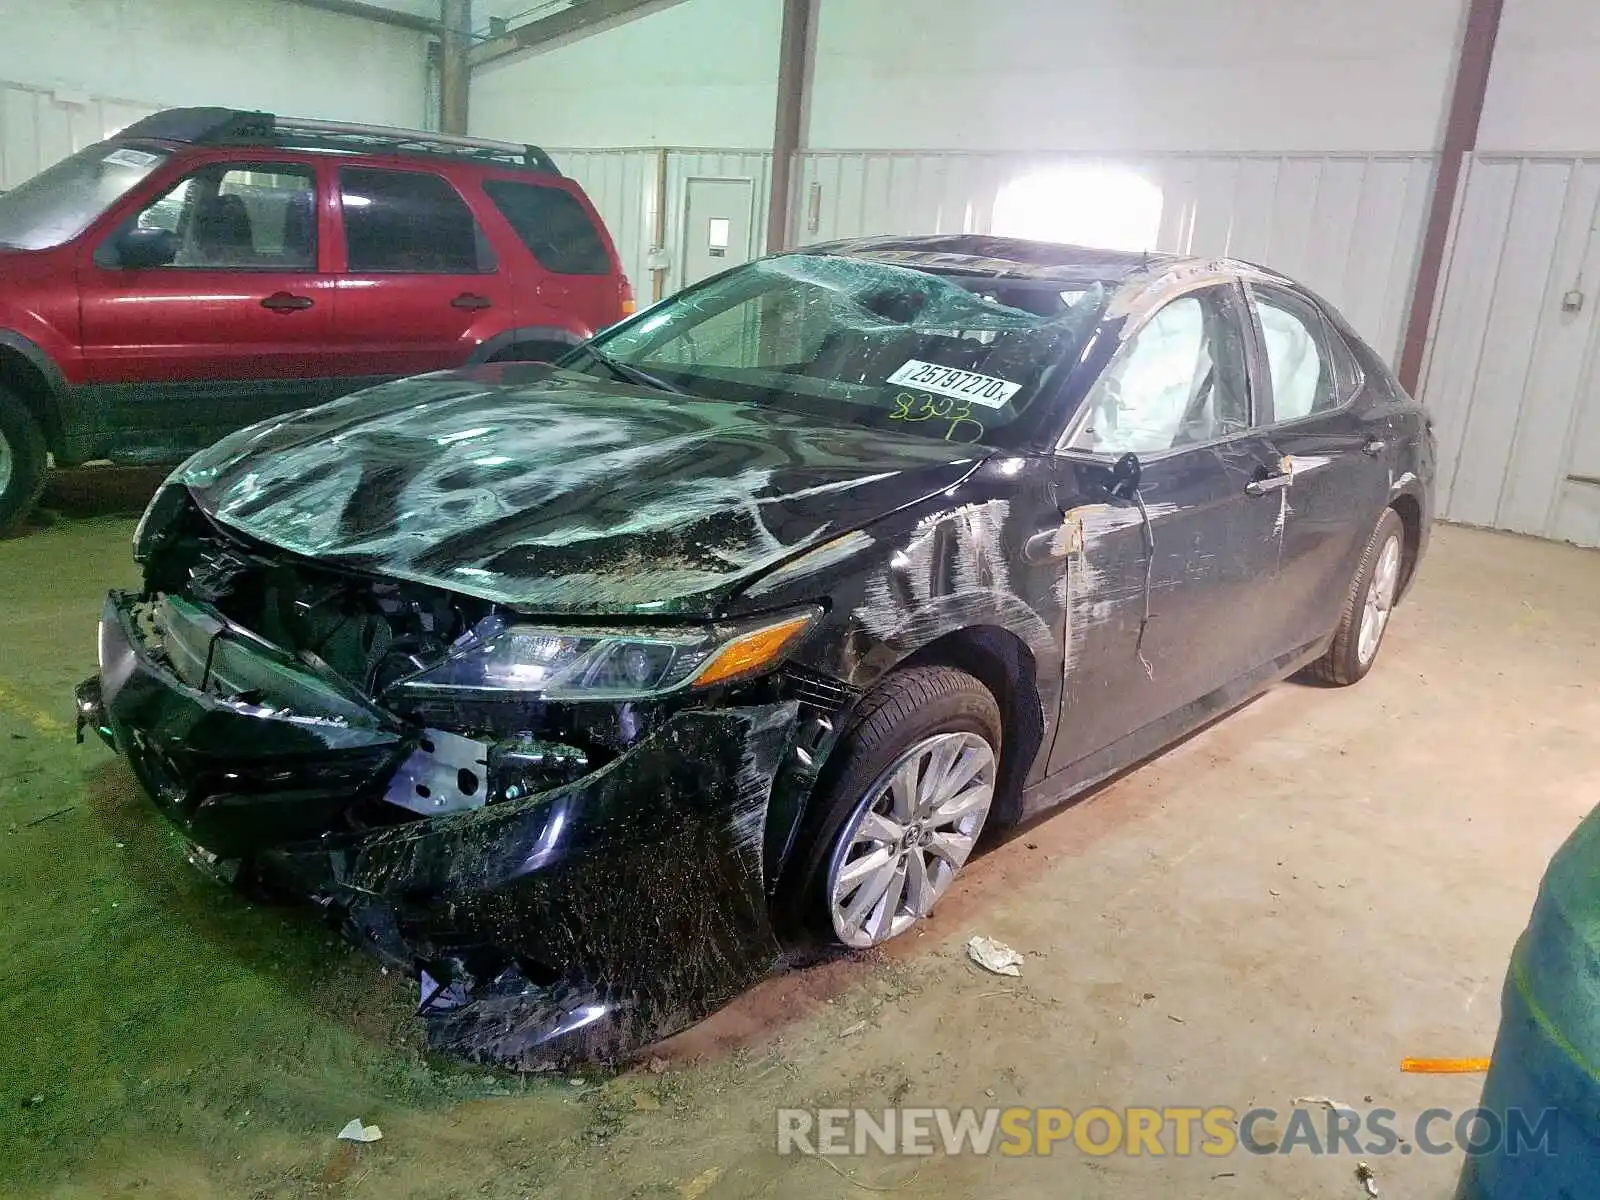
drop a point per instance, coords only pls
(909, 837)
(1381, 592)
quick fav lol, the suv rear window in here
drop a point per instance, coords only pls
(553, 225)
(409, 221)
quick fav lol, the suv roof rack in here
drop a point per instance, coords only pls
(227, 126)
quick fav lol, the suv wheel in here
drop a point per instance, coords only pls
(22, 461)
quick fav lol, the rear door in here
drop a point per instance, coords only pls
(234, 329)
(1157, 586)
(419, 287)
(1332, 448)
(568, 279)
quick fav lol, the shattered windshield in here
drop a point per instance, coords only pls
(952, 356)
(58, 204)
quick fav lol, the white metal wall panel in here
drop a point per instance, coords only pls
(1347, 225)
(1512, 376)
(39, 127)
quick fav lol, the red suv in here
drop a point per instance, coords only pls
(208, 268)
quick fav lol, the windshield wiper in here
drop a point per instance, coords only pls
(632, 374)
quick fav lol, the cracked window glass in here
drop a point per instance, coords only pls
(942, 354)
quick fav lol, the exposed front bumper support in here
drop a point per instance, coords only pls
(583, 922)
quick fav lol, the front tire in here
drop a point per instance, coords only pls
(23, 459)
(915, 781)
(1365, 618)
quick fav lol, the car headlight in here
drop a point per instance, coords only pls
(159, 514)
(553, 663)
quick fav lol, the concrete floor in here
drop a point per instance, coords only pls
(1282, 907)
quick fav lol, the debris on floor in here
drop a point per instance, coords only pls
(994, 956)
(355, 1131)
(1368, 1178)
(1325, 1102)
(1444, 1066)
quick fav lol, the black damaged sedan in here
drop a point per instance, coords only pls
(577, 691)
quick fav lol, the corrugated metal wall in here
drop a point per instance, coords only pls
(1347, 225)
(622, 185)
(1512, 376)
(39, 127)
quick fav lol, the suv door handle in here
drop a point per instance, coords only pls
(1270, 483)
(471, 300)
(1373, 446)
(285, 302)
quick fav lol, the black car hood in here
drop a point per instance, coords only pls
(552, 491)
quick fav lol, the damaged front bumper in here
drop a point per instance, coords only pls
(579, 922)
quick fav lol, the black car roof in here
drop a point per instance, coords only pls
(987, 253)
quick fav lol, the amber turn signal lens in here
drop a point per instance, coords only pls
(629, 308)
(1444, 1066)
(751, 651)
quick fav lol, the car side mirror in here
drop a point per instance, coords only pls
(1125, 474)
(138, 249)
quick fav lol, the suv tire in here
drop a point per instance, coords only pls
(23, 460)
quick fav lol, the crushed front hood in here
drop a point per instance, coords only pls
(549, 490)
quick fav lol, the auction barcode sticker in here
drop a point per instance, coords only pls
(986, 390)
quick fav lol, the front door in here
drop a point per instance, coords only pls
(1334, 454)
(716, 226)
(235, 328)
(420, 288)
(1157, 582)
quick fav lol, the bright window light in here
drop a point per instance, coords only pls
(1108, 207)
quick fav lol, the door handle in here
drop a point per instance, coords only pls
(1271, 483)
(284, 302)
(1374, 446)
(472, 301)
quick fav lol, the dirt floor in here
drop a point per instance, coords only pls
(1282, 907)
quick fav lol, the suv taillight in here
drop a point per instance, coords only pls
(625, 294)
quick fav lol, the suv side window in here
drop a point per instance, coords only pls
(240, 216)
(1295, 339)
(1180, 381)
(552, 224)
(410, 222)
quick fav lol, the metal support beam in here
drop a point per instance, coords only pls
(1460, 139)
(455, 77)
(373, 12)
(794, 53)
(580, 19)
(658, 238)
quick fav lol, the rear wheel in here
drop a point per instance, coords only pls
(535, 352)
(897, 823)
(1372, 597)
(23, 459)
